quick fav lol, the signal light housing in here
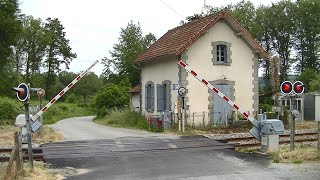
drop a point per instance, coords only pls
(22, 92)
(298, 87)
(286, 87)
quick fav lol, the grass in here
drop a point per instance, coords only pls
(125, 119)
(306, 125)
(61, 111)
(299, 155)
(45, 135)
(6, 134)
(40, 172)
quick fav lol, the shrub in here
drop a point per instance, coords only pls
(9, 109)
(111, 96)
(265, 107)
(123, 118)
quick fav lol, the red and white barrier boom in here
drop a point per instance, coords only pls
(62, 92)
(256, 130)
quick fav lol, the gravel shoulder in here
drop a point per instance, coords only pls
(83, 128)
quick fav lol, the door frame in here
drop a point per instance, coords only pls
(211, 94)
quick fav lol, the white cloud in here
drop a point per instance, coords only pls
(93, 26)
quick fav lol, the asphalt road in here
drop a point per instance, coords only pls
(82, 128)
(185, 163)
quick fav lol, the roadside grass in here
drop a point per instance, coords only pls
(65, 110)
(124, 118)
(40, 172)
(306, 125)
(6, 134)
(44, 135)
(299, 155)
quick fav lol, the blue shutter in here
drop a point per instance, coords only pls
(152, 98)
(168, 100)
(160, 98)
(146, 97)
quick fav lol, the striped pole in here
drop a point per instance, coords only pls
(62, 92)
(219, 93)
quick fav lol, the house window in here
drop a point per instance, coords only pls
(221, 54)
(163, 96)
(149, 96)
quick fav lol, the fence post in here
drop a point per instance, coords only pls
(203, 116)
(19, 158)
(8, 174)
(193, 120)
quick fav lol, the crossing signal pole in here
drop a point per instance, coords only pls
(23, 94)
(292, 90)
(32, 123)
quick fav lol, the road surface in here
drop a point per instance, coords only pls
(82, 128)
(100, 152)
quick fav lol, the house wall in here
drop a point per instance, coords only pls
(241, 70)
(135, 102)
(158, 71)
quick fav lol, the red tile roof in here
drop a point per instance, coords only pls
(136, 89)
(176, 40)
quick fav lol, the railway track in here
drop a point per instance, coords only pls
(243, 142)
(5, 154)
(73, 147)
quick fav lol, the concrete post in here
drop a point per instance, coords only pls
(29, 135)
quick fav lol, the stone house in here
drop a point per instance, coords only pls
(220, 50)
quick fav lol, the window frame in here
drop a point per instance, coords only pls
(217, 53)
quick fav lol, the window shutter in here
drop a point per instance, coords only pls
(152, 98)
(160, 98)
(146, 97)
(168, 100)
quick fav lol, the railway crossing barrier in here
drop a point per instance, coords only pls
(33, 123)
(268, 129)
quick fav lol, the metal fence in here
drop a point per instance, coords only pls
(169, 120)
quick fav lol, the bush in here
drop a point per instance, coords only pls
(265, 107)
(123, 118)
(61, 111)
(285, 117)
(111, 96)
(9, 109)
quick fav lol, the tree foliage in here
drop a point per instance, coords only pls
(111, 96)
(130, 45)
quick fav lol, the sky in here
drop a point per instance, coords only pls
(93, 26)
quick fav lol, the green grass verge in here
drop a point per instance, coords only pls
(299, 155)
(126, 119)
(61, 111)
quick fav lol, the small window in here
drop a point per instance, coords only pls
(221, 54)
(149, 97)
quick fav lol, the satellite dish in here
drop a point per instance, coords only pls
(205, 9)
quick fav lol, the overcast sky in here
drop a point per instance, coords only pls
(93, 26)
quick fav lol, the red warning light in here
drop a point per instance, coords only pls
(298, 87)
(286, 87)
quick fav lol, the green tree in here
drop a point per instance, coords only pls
(10, 27)
(306, 77)
(111, 96)
(131, 44)
(307, 34)
(88, 86)
(58, 51)
(32, 44)
(282, 32)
